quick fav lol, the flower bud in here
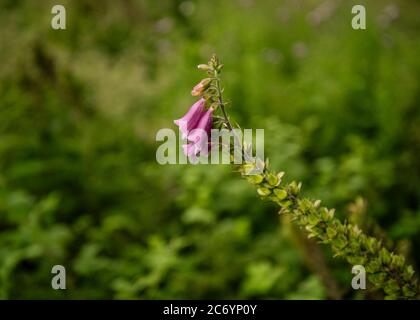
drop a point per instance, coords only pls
(199, 89)
(204, 67)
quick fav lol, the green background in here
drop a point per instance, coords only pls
(80, 108)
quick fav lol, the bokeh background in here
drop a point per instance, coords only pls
(80, 108)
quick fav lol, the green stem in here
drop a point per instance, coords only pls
(220, 101)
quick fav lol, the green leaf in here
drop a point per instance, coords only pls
(313, 218)
(263, 191)
(255, 179)
(340, 242)
(331, 232)
(272, 179)
(385, 256)
(281, 194)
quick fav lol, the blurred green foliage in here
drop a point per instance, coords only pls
(79, 110)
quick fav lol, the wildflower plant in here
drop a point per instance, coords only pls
(385, 269)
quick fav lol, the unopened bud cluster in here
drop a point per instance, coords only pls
(385, 270)
(209, 88)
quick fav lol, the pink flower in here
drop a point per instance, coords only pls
(200, 136)
(191, 119)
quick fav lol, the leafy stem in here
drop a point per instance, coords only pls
(385, 269)
(220, 101)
